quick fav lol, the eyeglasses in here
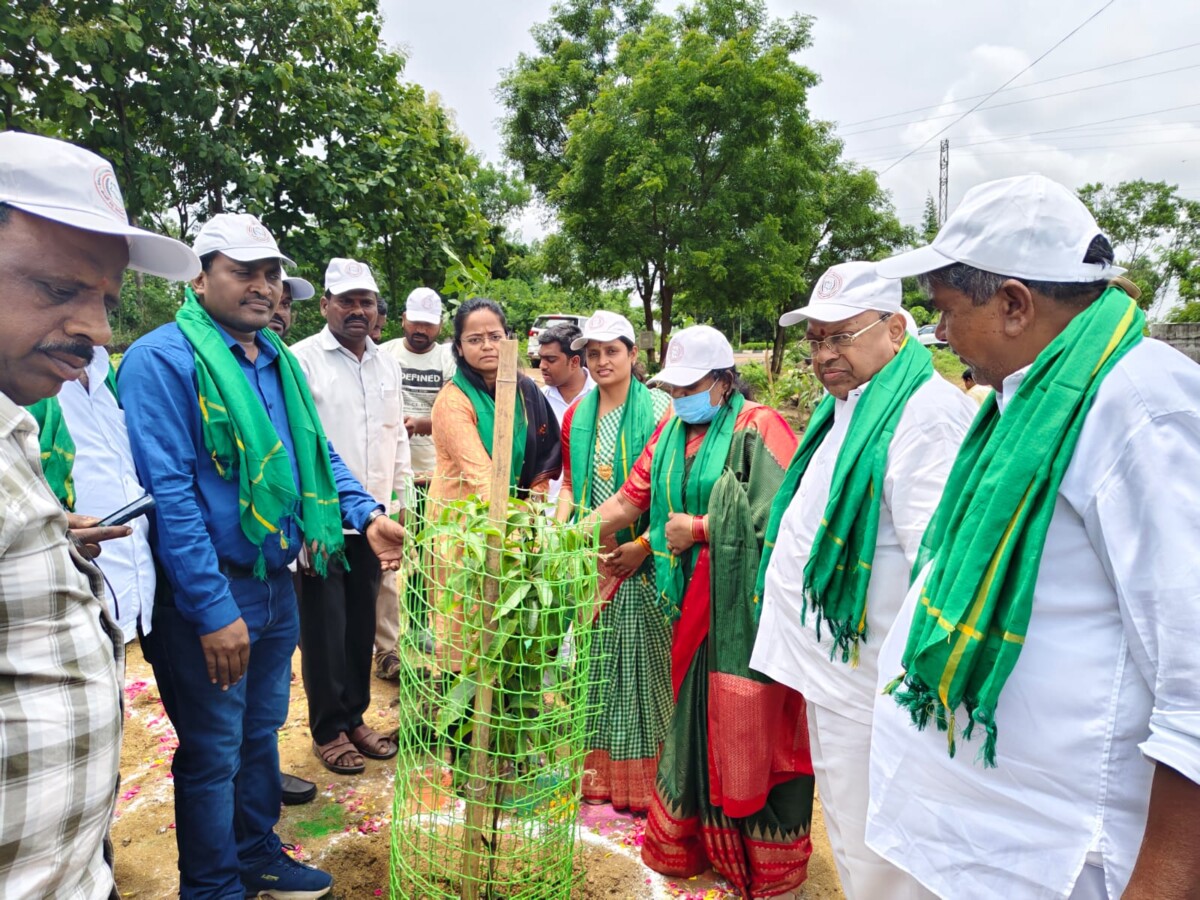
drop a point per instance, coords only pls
(839, 343)
(478, 340)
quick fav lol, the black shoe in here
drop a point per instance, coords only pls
(297, 791)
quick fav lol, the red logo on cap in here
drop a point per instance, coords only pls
(830, 285)
(108, 189)
(675, 352)
(354, 269)
(258, 233)
(429, 302)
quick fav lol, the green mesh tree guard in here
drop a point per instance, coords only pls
(487, 787)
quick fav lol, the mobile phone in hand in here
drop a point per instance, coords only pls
(125, 514)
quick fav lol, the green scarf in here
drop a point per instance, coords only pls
(671, 494)
(485, 415)
(838, 571)
(240, 438)
(986, 539)
(57, 449)
(638, 422)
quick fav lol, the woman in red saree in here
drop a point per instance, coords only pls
(734, 787)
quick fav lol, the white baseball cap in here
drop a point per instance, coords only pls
(423, 305)
(58, 181)
(604, 326)
(693, 353)
(239, 236)
(345, 275)
(845, 291)
(302, 288)
(1024, 227)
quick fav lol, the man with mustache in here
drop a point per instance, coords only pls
(357, 391)
(227, 438)
(294, 288)
(844, 533)
(427, 367)
(65, 242)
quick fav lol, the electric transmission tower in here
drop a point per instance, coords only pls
(944, 182)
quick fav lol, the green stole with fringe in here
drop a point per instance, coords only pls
(984, 544)
(838, 572)
(670, 494)
(243, 443)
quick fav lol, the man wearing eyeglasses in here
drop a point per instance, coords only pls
(844, 533)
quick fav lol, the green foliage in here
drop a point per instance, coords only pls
(519, 678)
(948, 365)
(1188, 312)
(290, 109)
(146, 302)
(921, 315)
(1155, 232)
(795, 392)
(680, 157)
(929, 220)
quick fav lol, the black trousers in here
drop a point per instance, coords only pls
(337, 639)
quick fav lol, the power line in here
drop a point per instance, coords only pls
(1078, 90)
(1060, 42)
(1021, 87)
(1048, 131)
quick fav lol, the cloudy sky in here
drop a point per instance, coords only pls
(895, 73)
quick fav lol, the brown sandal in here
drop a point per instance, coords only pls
(373, 745)
(340, 748)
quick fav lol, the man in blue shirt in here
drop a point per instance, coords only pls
(223, 637)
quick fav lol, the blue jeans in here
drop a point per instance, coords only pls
(226, 770)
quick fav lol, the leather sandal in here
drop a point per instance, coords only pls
(339, 749)
(373, 745)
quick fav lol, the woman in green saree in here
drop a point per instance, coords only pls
(603, 435)
(734, 787)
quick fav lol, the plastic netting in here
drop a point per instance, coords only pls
(492, 723)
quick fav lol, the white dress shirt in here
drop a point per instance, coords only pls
(105, 480)
(922, 450)
(362, 410)
(560, 406)
(1107, 682)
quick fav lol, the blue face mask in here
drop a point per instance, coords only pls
(696, 409)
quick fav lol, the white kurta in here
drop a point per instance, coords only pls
(560, 407)
(362, 411)
(105, 480)
(1107, 682)
(840, 697)
(922, 450)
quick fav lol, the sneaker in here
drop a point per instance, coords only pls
(283, 878)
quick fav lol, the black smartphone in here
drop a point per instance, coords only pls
(125, 514)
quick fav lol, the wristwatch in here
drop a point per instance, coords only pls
(375, 514)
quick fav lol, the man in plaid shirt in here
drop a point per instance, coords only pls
(65, 242)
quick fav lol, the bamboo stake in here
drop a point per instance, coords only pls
(502, 436)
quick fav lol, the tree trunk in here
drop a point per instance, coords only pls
(777, 349)
(666, 294)
(644, 281)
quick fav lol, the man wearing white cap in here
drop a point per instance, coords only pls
(294, 288)
(844, 533)
(226, 436)
(1051, 631)
(427, 367)
(565, 378)
(65, 242)
(358, 393)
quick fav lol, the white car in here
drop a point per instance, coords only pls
(541, 323)
(927, 335)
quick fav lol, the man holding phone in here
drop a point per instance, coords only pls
(227, 439)
(65, 242)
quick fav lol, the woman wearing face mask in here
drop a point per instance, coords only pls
(734, 787)
(603, 434)
(464, 415)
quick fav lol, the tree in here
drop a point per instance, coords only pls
(290, 109)
(691, 166)
(929, 219)
(1155, 232)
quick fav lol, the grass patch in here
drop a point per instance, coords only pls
(948, 365)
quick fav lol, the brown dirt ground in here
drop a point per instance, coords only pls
(346, 829)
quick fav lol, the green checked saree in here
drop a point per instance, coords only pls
(985, 541)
